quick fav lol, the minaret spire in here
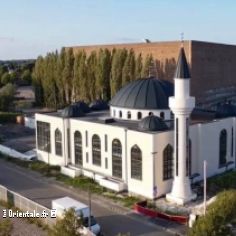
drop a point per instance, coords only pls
(182, 105)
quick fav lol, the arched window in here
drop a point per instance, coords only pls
(78, 148)
(223, 148)
(116, 158)
(162, 115)
(150, 113)
(168, 162)
(189, 159)
(96, 150)
(139, 115)
(129, 115)
(58, 142)
(120, 114)
(136, 163)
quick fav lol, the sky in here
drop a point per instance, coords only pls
(30, 28)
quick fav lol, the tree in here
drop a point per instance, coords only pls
(37, 77)
(69, 225)
(118, 61)
(128, 72)
(91, 75)
(138, 67)
(26, 76)
(146, 66)
(6, 78)
(6, 97)
(103, 74)
(67, 74)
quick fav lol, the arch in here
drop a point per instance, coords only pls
(168, 162)
(139, 115)
(58, 142)
(162, 115)
(129, 115)
(78, 148)
(136, 163)
(223, 148)
(116, 158)
(120, 114)
(96, 150)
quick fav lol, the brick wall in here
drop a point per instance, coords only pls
(212, 65)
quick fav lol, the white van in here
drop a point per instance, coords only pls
(65, 203)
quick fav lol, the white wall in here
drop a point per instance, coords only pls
(208, 145)
(142, 187)
(101, 130)
(55, 122)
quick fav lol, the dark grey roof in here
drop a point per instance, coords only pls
(83, 106)
(182, 70)
(99, 105)
(150, 93)
(152, 123)
(72, 111)
(225, 110)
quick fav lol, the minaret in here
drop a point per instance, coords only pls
(181, 105)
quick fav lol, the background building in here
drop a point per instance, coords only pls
(212, 66)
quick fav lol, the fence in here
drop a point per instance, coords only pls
(25, 204)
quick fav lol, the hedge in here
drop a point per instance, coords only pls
(219, 214)
(8, 117)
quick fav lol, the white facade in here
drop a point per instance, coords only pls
(205, 146)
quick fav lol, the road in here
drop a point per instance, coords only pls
(32, 186)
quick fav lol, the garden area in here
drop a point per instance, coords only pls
(220, 219)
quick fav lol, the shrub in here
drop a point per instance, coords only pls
(6, 227)
(69, 225)
(219, 214)
(8, 117)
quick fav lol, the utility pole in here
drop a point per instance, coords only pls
(90, 205)
(205, 184)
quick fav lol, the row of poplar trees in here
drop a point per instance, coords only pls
(63, 78)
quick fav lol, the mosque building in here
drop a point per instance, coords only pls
(150, 141)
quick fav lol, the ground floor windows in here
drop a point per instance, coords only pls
(96, 150)
(78, 148)
(116, 158)
(43, 136)
(136, 163)
(168, 162)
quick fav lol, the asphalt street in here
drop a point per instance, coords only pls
(33, 186)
